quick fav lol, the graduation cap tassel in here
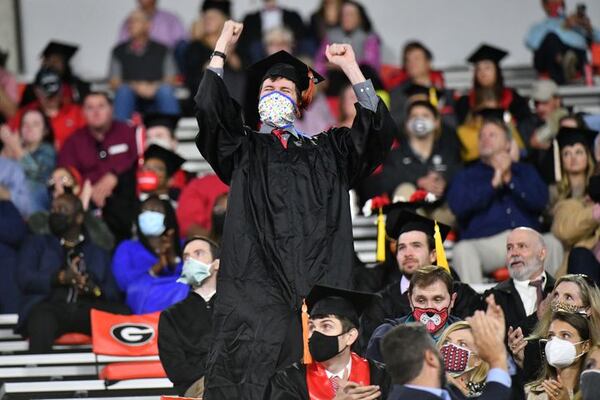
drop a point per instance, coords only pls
(433, 99)
(556, 156)
(380, 236)
(442, 261)
(307, 356)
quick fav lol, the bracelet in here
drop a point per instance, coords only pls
(218, 54)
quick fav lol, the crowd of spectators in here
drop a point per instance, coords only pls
(97, 211)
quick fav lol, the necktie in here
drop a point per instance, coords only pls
(538, 291)
(335, 383)
(279, 134)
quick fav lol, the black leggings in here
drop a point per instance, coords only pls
(545, 57)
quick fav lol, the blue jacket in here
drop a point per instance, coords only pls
(12, 232)
(40, 259)
(483, 211)
(570, 37)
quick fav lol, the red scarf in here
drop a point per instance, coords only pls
(319, 385)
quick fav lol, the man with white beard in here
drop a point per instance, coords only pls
(529, 283)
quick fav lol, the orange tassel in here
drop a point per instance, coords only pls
(307, 356)
(308, 94)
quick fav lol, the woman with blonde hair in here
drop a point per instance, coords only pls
(573, 293)
(464, 369)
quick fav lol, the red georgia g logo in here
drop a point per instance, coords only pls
(132, 334)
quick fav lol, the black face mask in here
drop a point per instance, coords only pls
(323, 347)
(59, 223)
(218, 220)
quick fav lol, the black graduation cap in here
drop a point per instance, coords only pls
(487, 52)
(492, 113)
(3, 58)
(222, 5)
(281, 64)
(172, 160)
(329, 300)
(158, 119)
(67, 50)
(400, 220)
(569, 136)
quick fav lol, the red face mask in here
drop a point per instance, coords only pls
(433, 319)
(555, 9)
(456, 359)
(147, 181)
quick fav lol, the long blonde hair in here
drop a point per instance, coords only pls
(480, 372)
(564, 186)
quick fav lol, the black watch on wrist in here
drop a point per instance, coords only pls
(218, 54)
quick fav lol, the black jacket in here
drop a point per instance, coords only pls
(492, 391)
(184, 337)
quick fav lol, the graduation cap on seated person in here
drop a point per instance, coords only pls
(172, 160)
(568, 137)
(280, 65)
(399, 220)
(221, 5)
(494, 114)
(328, 300)
(423, 93)
(169, 121)
(66, 50)
(487, 52)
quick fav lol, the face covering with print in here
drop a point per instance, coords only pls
(152, 223)
(277, 109)
(421, 126)
(561, 353)
(194, 272)
(456, 359)
(433, 319)
(589, 384)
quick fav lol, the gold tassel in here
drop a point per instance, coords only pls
(380, 237)
(433, 99)
(442, 261)
(307, 356)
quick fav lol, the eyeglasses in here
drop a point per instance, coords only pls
(591, 283)
(64, 180)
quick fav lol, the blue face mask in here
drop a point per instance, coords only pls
(194, 272)
(152, 223)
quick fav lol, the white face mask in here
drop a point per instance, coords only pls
(277, 109)
(421, 126)
(561, 353)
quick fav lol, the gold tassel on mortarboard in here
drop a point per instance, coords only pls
(442, 261)
(307, 356)
(380, 236)
(433, 98)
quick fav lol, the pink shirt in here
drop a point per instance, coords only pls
(8, 82)
(166, 29)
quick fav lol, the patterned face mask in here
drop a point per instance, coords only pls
(277, 109)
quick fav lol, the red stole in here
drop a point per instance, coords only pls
(319, 386)
(505, 101)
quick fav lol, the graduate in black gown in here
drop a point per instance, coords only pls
(333, 326)
(288, 224)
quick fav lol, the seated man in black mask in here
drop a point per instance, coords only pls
(62, 276)
(336, 371)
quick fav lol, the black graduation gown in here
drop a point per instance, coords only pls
(290, 383)
(184, 338)
(287, 228)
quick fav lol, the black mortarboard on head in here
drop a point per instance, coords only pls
(426, 94)
(221, 5)
(172, 160)
(65, 49)
(328, 300)
(487, 52)
(569, 136)
(3, 58)
(493, 114)
(400, 221)
(158, 119)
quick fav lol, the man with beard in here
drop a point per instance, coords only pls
(529, 283)
(62, 276)
(417, 369)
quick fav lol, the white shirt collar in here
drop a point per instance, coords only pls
(525, 284)
(404, 284)
(343, 374)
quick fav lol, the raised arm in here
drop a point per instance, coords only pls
(367, 143)
(220, 125)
